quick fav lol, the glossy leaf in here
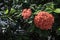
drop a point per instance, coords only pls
(57, 10)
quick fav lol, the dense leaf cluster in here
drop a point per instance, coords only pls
(14, 27)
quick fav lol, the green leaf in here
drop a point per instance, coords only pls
(48, 10)
(30, 22)
(58, 31)
(12, 10)
(58, 28)
(6, 12)
(50, 5)
(36, 12)
(57, 10)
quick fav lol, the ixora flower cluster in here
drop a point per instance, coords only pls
(26, 13)
(42, 20)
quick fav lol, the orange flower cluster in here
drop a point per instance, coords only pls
(26, 13)
(44, 20)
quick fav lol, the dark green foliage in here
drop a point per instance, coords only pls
(14, 27)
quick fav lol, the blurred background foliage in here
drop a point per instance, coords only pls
(13, 27)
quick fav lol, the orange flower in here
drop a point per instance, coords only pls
(44, 20)
(26, 13)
